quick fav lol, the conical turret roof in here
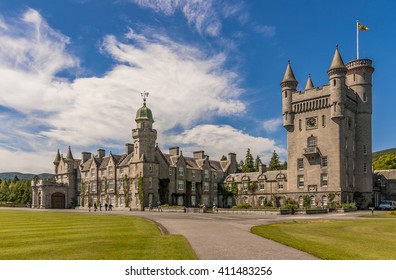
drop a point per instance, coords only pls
(289, 75)
(57, 158)
(309, 84)
(69, 154)
(337, 62)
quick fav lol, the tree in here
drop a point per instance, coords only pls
(274, 162)
(384, 162)
(223, 157)
(257, 163)
(249, 161)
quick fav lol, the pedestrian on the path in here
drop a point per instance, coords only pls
(106, 205)
(95, 207)
(89, 207)
(110, 207)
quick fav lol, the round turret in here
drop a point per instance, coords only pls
(337, 73)
(288, 85)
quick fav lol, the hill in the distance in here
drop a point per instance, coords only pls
(11, 175)
(376, 155)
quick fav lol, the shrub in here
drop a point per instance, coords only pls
(242, 206)
(351, 205)
(393, 213)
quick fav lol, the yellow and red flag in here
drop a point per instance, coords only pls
(362, 27)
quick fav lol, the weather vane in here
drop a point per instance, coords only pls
(144, 94)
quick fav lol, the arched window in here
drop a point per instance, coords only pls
(334, 82)
(323, 120)
(365, 97)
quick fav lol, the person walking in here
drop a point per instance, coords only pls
(106, 205)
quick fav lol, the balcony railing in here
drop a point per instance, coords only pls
(311, 151)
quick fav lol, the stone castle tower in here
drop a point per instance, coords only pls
(329, 134)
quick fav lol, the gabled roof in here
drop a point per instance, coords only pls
(255, 176)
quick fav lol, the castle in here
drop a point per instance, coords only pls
(329, 157)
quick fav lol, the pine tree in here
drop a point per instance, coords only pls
(274, 163)
(257, 163)
(249, 162)
(223, 157)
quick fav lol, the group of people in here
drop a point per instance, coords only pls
(108, 207)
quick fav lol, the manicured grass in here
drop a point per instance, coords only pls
(29, 235)
(336, 239)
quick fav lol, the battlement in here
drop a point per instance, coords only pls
(359, 63)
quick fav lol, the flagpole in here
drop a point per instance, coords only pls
(357, 39)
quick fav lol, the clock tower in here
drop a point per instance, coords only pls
(329, 135)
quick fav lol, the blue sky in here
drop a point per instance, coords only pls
(71, 72)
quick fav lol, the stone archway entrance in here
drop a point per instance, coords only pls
(58, 201)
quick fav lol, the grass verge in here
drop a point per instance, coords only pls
(29, 235)
(336, 239)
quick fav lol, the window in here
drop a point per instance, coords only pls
(323, 120)
(111, 185)
(150, 167)
(245, 186)
(150, 183)
(364, 97)
(206, 173)
(300, 200)
(193, 173)
(261, 186)
(313, 201)
(92, 172)
(300, 163)
(365, 167)
(324, 161)
(312, 141)
(110, 170)
(285, 93)
(299, 125)
(180, 186)
(324, 180)
(170, 171)
(121, 171)
(324, 200)
(262, 201)
(181, 171)
(280, 184)
(229, 188)
(206, 187)
(93, 187)
(364, 149)
(193, 186)
(300, 181)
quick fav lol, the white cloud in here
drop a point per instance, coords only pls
(218, 140)
(187, 88)
(266, 30)
(201, 14)
(272, 125)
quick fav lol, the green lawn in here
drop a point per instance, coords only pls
(29, 235)
(337, 239)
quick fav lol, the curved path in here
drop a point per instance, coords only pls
(226, 236)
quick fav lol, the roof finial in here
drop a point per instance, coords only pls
(144, 94)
